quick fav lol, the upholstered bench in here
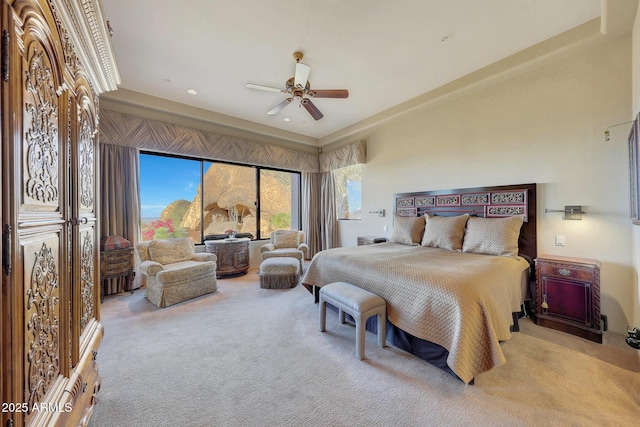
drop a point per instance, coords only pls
(279, 273)
(358, 303)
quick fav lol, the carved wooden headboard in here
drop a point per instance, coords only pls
(500, 201)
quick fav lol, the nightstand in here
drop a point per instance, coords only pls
(370, 240)
(568, 296)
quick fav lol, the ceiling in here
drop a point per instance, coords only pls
(384, 52)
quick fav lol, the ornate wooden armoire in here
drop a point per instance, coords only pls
(56, 59)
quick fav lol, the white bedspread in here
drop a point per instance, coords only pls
(461, 301)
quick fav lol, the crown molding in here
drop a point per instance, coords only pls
(89, 33)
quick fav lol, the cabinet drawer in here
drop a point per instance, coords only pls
(575, 272)
(117, 256)
(111, 269)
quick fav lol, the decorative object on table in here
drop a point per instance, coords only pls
(116, 260)
(174, 272)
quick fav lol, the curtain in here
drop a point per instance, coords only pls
(311, 213)
(329, 221)
(119, 200)
(319, 221)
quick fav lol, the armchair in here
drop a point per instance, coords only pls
(286, 243)
(174, 272)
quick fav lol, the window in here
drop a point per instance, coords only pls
(348, 191)
(279, 201)
(182, 197)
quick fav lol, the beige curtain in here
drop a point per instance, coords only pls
(329, 224)
(119, 200)
(311, 213)
(319, 221)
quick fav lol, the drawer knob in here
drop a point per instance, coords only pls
(564, 272)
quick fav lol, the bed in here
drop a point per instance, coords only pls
(455, 271)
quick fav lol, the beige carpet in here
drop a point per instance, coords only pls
(247, 356)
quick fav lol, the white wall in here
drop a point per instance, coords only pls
(545, 126)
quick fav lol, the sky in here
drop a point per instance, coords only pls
(164, 180)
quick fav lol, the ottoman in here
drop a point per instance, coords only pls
(279, 273)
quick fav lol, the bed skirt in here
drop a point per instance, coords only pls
(428, 351)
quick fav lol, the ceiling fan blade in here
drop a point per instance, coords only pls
(302, 75)
(267, 88)
(275, 110)
(312, 109)
(330, 93)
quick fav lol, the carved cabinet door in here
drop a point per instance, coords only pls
(83, 216)
(37, 295)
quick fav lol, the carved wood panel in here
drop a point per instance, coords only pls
(49, 304)
(39, 296)
(83, 176)
(87, 277)
(44, 326)
(41, 148)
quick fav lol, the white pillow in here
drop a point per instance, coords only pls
(407, 230)
(492, 236)
(444, 232)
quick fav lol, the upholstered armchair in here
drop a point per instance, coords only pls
(286, 243)
(174, 272)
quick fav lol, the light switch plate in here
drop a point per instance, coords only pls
(559, 240)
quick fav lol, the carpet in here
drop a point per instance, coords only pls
(247, 356)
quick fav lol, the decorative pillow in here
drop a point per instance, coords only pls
(492, 236)
(285, 239)
(170, 251)
(444, 232)
(407, 230)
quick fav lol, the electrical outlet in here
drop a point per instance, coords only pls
(385, 228)
(559, 240)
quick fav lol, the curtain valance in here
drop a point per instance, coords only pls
(155, 135)
(347, 155)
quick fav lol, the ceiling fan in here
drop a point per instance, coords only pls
(299, 88)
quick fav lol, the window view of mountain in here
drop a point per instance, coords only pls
(225, 199)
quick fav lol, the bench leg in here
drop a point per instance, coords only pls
(360, 339)
(323, 315)
(382, 330)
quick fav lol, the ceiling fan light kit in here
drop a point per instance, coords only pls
(299, 88)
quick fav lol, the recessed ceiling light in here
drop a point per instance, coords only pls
(192, 91)
(286, 119)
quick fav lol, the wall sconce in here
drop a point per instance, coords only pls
(380, 212)
(607, 134)
(570, 212)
